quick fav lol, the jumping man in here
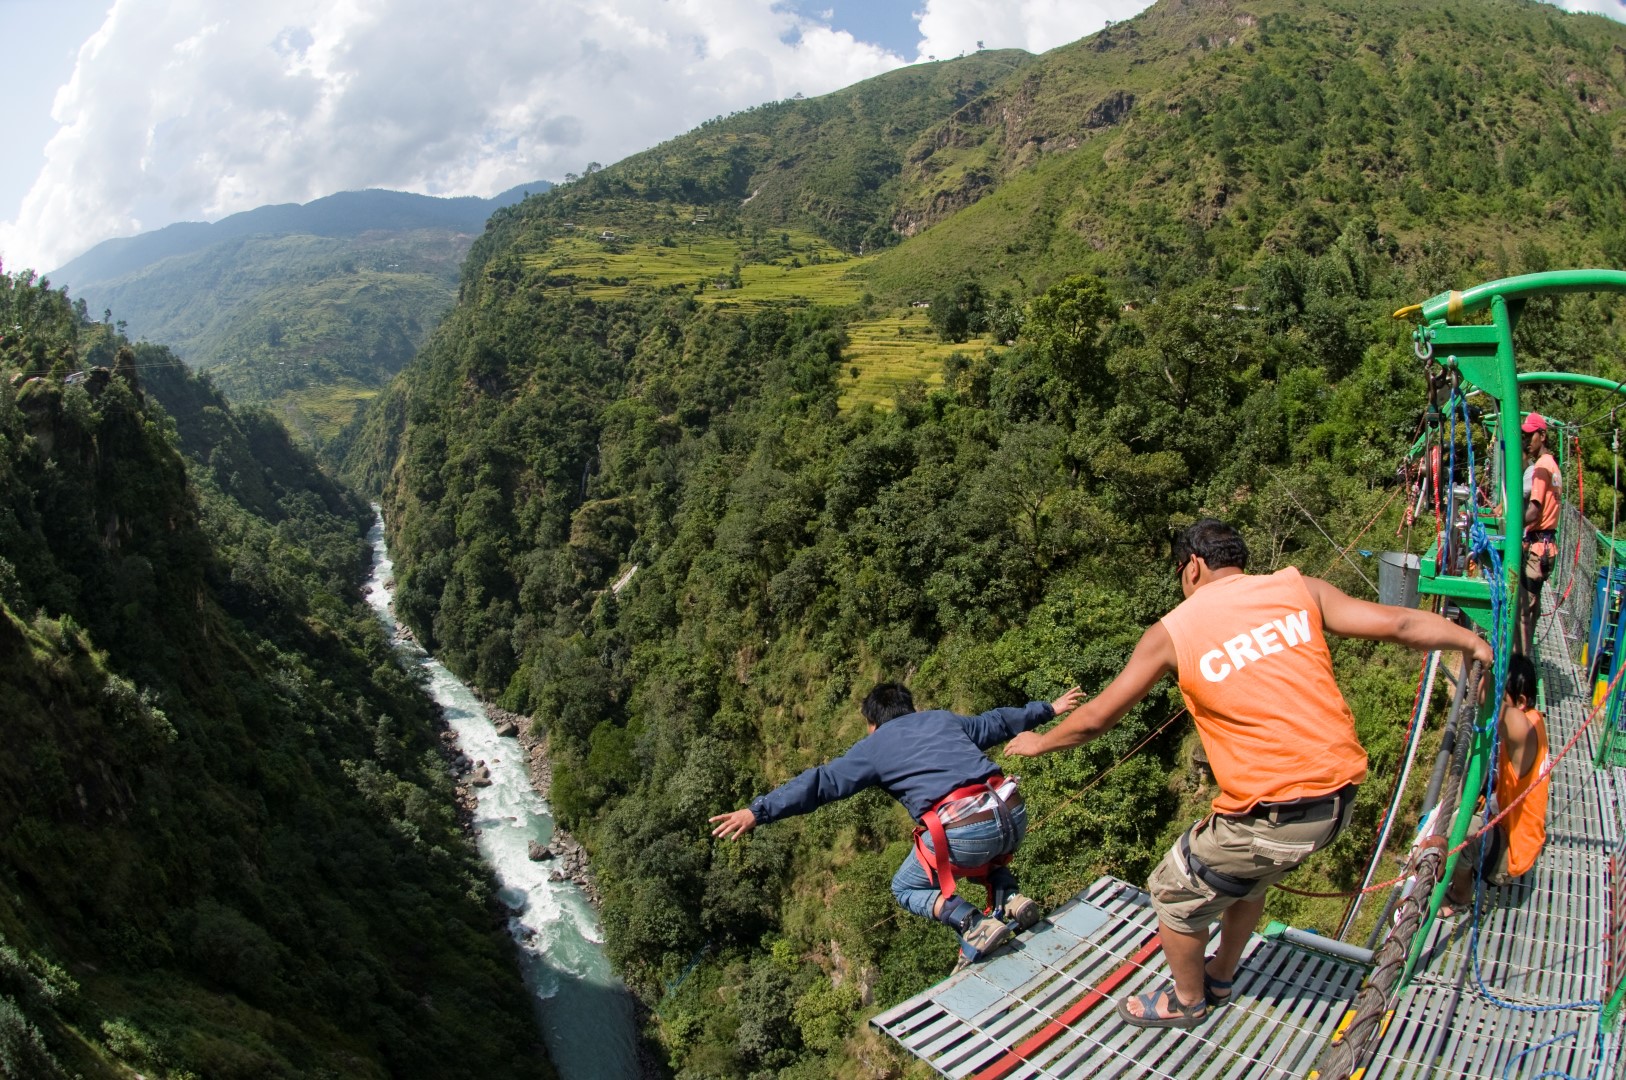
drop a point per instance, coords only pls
(933, 763)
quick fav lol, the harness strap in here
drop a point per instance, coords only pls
(935, 859)
(1222, 883)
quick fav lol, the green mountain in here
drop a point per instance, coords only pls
(227, 835)
(307, 309)
(1160, 264)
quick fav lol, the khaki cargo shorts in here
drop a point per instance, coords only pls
(1538, 562)
(1252, 848)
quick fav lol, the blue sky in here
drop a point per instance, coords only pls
(43, 38)
(172, 110)
(889, 24)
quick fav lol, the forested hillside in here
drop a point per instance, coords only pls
(1168, 254)
(227, 836)
(306, 310)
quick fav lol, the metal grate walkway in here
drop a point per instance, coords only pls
(1036, 999)
(1045, 1006)
(1543, 940)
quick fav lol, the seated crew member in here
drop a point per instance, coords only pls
(1254, 669)
(1521, 757)
(933, 763)
(1542, 485)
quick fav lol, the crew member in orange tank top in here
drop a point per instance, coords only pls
(1541, 508)
(1521, 756)
(1252, 662)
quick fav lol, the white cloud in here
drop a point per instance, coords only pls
(189, 109)
(951, 27)
(1615, 9)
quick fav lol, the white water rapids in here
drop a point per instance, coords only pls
(584, 1010)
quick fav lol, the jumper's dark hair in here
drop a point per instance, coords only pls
(888, 701)
(1521, 678)
(1217, 543)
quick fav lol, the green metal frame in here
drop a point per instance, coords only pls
(1483, 354)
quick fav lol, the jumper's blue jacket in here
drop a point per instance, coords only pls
(917, 759)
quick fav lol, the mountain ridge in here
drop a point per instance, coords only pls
(345, 213)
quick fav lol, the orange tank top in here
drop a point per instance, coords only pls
(1256, 674)
(1545, 491)
(1526, 826)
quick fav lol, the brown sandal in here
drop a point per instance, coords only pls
(1177, 1015)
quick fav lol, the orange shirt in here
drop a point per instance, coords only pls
(1544, 486)
(1256, 674)
(1525, 828)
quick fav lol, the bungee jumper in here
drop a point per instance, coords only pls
(932, 762)
(1252, 662)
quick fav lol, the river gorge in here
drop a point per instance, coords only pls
(586, 1014)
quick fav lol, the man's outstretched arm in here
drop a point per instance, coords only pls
(1152, 659)
(847, 775)
(1424, 631)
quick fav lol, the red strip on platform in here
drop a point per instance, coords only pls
(1099, 993)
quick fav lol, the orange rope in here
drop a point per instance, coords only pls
(1351, 545)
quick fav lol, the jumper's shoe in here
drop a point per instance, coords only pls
(986, 936)
(1022, 911)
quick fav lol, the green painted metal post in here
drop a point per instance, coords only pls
(1483, 354)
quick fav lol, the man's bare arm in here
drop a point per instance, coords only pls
(1346, 616)
(1152, 659)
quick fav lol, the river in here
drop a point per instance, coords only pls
(584, 1011)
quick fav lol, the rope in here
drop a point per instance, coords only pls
(1419, 711)
(1104, 773)
(1318, 527)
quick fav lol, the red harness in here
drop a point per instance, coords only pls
(936, 862)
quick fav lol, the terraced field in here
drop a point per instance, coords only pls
(890, 352)
(803, 268)
(317, 414)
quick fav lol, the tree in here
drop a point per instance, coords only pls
(959, 312)
(1067, 325)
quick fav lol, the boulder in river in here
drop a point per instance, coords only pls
(537, 852)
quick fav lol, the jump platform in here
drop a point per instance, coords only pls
(1530, 1005)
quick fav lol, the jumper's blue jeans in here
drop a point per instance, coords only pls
(969, 845)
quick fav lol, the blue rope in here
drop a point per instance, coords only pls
(1491, 565)
(1521, 1055)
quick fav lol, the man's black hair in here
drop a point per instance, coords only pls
(888, 701)
(1521, 678)
(1217, 543)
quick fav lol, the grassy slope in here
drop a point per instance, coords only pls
(1260, 127)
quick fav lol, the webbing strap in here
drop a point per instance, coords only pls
(1220, 882)
(935, 859)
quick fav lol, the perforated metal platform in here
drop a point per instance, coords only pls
(1036, 1010)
